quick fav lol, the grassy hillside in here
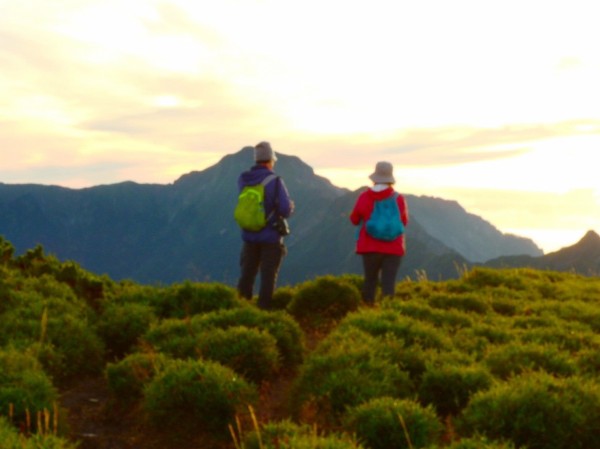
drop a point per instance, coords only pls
(495, 359)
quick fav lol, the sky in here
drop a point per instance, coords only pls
(492, 103)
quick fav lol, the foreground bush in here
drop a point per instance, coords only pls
(287, 332)
(121, 325)
(513, 359)
(344, 372)
(287, 435)
(537, 411)
(324, 300)
(24, 385)
(47, 313)
(450, 387)
(128, 377)
(188, 299)
(385, 423)
(11, 439)
(381, 323)
(476, 443)
(190, 395)
(250, 352)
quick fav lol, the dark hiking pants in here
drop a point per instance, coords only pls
(374, 265)
(267, 258)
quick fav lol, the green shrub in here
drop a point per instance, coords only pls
(480, 277)
(252, 353)
(121, 325)
(385, 423)
(189, 395)
(324, 300)
(10, 438)
(569, 337)
(288, 435)
(449, 319)
(174, 337)
(24, 384)
(349, 373)
(478, 442)
(282, 297)
(508, 360)
(505, 307)
(128, 377)
(537, 411)
(588, 362)
(287, 332)
(272, 432)
(188, 299)
(60, 322)
(383, 322)
(466, 302)
(450, 387)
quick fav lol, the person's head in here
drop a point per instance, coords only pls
(384, 173)
(264, 154)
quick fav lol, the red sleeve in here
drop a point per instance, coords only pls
(403, 209)
(359, 213)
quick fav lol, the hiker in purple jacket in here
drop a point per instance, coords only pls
(264, 249)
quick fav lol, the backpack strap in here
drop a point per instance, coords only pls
(266, 181)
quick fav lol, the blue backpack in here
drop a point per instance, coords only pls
(385, 222)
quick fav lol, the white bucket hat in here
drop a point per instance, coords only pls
(384, 173)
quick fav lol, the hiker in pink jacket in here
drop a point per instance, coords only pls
(381, 258)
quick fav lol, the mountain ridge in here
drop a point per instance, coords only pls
(163, 233)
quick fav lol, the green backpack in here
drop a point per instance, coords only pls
(250, 209)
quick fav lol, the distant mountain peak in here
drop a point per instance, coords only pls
(590, 238)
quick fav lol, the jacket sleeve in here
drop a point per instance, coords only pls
(403, 209)
(357, 214)
(285, 206)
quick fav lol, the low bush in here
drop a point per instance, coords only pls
(512, 359)
(60, 322)
(385, 423)
(174, 337)
(128, 377)
(10, 438)
(250, 352)
(537, 411)
(450, 387)
(196, 394)
(388, 322)
(448, 319)
(282, 297)
(465, 302)
(476, 443)
(324, 300)
(121, 325)
(287, 332)
(288, 435)
(588, 362)
(189, 299)
(24, 386)
(349, 373)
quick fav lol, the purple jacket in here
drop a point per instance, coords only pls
(255, 176)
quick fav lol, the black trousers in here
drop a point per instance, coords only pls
(374, 265)
(264, 256)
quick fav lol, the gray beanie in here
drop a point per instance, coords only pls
(264, 153)
(384, 173)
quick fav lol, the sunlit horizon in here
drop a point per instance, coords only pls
(492, 104)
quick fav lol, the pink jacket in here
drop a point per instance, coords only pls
(361, 213)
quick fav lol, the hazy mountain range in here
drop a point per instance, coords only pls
(155, 233)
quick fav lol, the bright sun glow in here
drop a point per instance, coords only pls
(470, 100)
